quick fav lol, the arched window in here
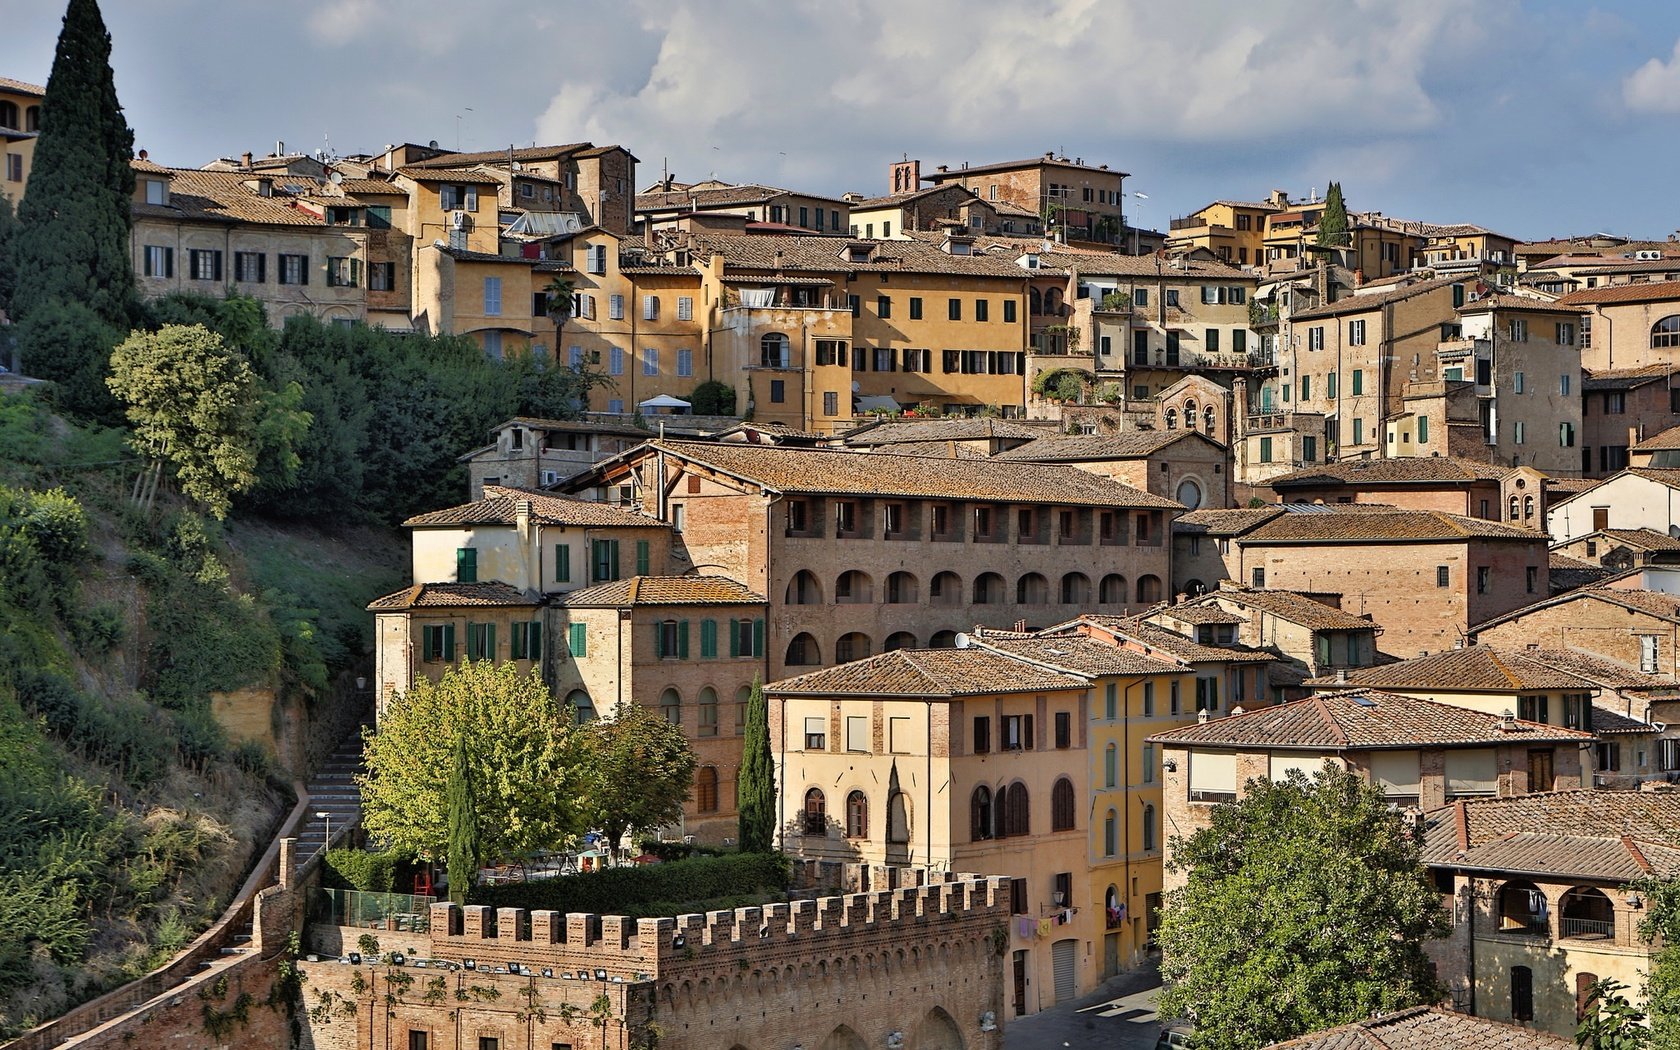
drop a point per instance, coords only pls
(1172, 419)
(854, 588)
(583, 709)
(773, 351)
(670, 705)
(9, 116)
(1111, 834)
(1112, 590)
(1522, 909)
(1031, 589)
(1149, 589)
(943, 640)
(1061, 805)
(708, 707)
(804, 589)
(1111, 766)
(946, 588)
(901, 589)
(803, 651)
(898, 640)
(32, 119)
(1076, 589)
(1189, 493)
(1666, 332)
(1513, 508)
(1035, 300)
(1190, 415)
(1528, 507)
(1114, 915)
(988, 589)
(1586, 912)
(980, 813)
(743, 696)
(1017, 818)
(816, 812)
(706, 789)
(898, 818)
(1148, 828)
(1194, 587)
(853, 645)
(1522, 993)
(1207, 420)
(857, 816)
(1052, 301)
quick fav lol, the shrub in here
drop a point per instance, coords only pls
(357, 869)
(713, 398)
(648, 890)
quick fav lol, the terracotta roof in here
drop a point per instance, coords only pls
(947, 450)
(1627, 379)
(1616, 836)
(1224, 522)
(1671, 478)
(1189, 612)
(721, 197)
(1160, 639)
(1391, 526)
(1568, 574)
(223, 197)
(452, 175)
(891, 199)
(1083, 655)
(1646, 539)
(783, 469)
(1668, 439)
(1110, 264)
(1505, 301)
(463, 255)
(1081, 447)
(665, 590)
(956, 174)
(898, 432)
(450, 595)
(1652, 603)
(1650, 291)
(1364, 719)
(1405, 470)
(825, 255)
(1292, 606)
(928, 673)
(578, 426)
(1473, 669)
(500, 156)
(1360, 303)
(500, 503)
(1428, 1028)
(22, 87)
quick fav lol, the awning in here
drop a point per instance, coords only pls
(664, 401)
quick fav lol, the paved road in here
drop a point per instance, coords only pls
(1119, 1016)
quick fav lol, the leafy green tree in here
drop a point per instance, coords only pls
(1611, 1022)
(1332, 901)
(71, 345)
(8, 263)
(558, 298)
(194, 405)
(521, 764)
(1333, 221)
(638, 770)
(1661, 928)
(464, 856)
(72, 243)
(757, 786)
(712, 398)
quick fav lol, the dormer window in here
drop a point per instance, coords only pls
(1029, 261)
(157, 191)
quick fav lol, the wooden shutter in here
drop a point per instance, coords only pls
(682, 640)
(659, 639)
(216, 264)
(169, 262)
(758, 637)
(641, 557)
(562, 563)
(612, 546)
(579, 639)
(708, 639)
(734, 637)
(449, 643)
(535, 648)
(429, 639)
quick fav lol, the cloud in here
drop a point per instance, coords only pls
(341, 22)
(1655, 86)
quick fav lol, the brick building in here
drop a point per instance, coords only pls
(1184, 466)
(1628, 325)
(532, 453)
(1445, 483)
(1079, 201)
(1626, 416)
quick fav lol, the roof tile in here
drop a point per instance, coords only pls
(930, 673)
(665, 590)
(500, 504)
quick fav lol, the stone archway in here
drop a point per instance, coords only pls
(936, 1031)
(843, 1038)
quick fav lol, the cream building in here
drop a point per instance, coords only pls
(20, 124)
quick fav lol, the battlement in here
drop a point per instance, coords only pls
(914, 905)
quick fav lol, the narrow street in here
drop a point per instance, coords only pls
(1118, 1016)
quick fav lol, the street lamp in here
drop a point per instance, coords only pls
(322, 814)
(1133, 225)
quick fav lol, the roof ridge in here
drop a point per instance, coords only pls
(1336, 729)
(1500, 666)
(1636, 853)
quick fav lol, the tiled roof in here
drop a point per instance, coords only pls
(1650, 291)
(500, 503)
(1428, 1028)
(1084, 655)
(949, 450)
(1652, 603)
(931, 673)
(1292, 606)
(1364, 719)
(1386, 525)
(1670, 478)
(892, 199)
(1599, 669)
(1626, 379)
(1668, 439)
(449, 596)
(461, 175)
(1476, 668)
(1109, 264)
(1599, 834)
(500, 156)
(720, 197)
(1607, 718)
(1647, 539)
(1361, 303)
(1505, 301)
(1160, 639)
(824, 255)
(785, 469)
(1075, 448)
(665, 590)
(463, 255)
(1224, 522)
(1190, 612)
(957, 429)
(1405, 470)
(956, 174)
(223, 197)
(579, 426)
(21, 87)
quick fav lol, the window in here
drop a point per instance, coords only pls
(1315, 341)
(816, 733)
(1109, 834)
(437, 641)
(746, 638)
(671, 639)
(1356, 335)
(650, 307)
(577, 640)
(418, 1040)
(650, 361)
(1009, 311)
(706, 789)
(159, 261)
(1257, 577)
(883, 305)
(1443, 577)
(204, 265)
(1061, 805)
(1422, 429)
(603, 561)
(1148, 763)
(1484, 578)
(1265, 448)
(916, 307)
(1648, 653)
(1358, 381)
(1519, 331)
(816, 812)
(1330, 385)
(1213, 776)
(1565, 333)
(1064, 730)
(1207, 694)
(1563, 385)
(1111, 763)
(774, 350)
(982, 734)
(492, 296)
(1149, 829)
(982, 310)
(685, 362)
(1016, 732)
(1148, 700)
(708, 641)
(382, 277)
(615, 362)
(1471, 772)
(466, 565)
(857, 733)
(857, 815)
(980, 814)
(157, 190)
(1566, 435)
(526, 642)
(953, 309)
(481, 641)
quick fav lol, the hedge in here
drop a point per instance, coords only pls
(355, 869)
(651, 890)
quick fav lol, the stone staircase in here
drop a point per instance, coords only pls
(332, 791)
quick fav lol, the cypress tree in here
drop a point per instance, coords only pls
(8, 258)
(72, 245)
(758, 777)
(463, 827)
(1333, 223)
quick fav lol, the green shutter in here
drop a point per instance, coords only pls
(659, 639)
(758, 638)
(475, 641)
(579, 639)
(734, 637)
(516, 642)
(708, 639)
(641, 557)
(466, 565)
(534, 649)
(562, 563)
(612, 546)
(682, 640)
(449, 642)
(428, 643)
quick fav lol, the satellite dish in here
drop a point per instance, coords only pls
(440, 243)
(963, 641)
(337, 177)
(432, 144)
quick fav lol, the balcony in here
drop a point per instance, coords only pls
(1589, 929)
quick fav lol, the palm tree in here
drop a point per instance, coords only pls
(560, 295)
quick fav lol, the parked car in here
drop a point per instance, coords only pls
(1176, 1037)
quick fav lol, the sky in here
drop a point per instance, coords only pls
(1536, 118)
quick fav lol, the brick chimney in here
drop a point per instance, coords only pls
(245, 160)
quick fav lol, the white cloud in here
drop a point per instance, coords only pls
(1655, 86)
(340, 22)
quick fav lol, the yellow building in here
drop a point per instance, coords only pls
(20, 123)
(1234, 231)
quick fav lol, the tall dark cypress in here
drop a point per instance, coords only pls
(462, 860)
(757, 822)
(72, 243)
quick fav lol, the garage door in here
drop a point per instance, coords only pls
(1061, 963)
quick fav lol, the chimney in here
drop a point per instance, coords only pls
(1359, 278)
(143, 155)
(245, 160)
(1341, 676)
